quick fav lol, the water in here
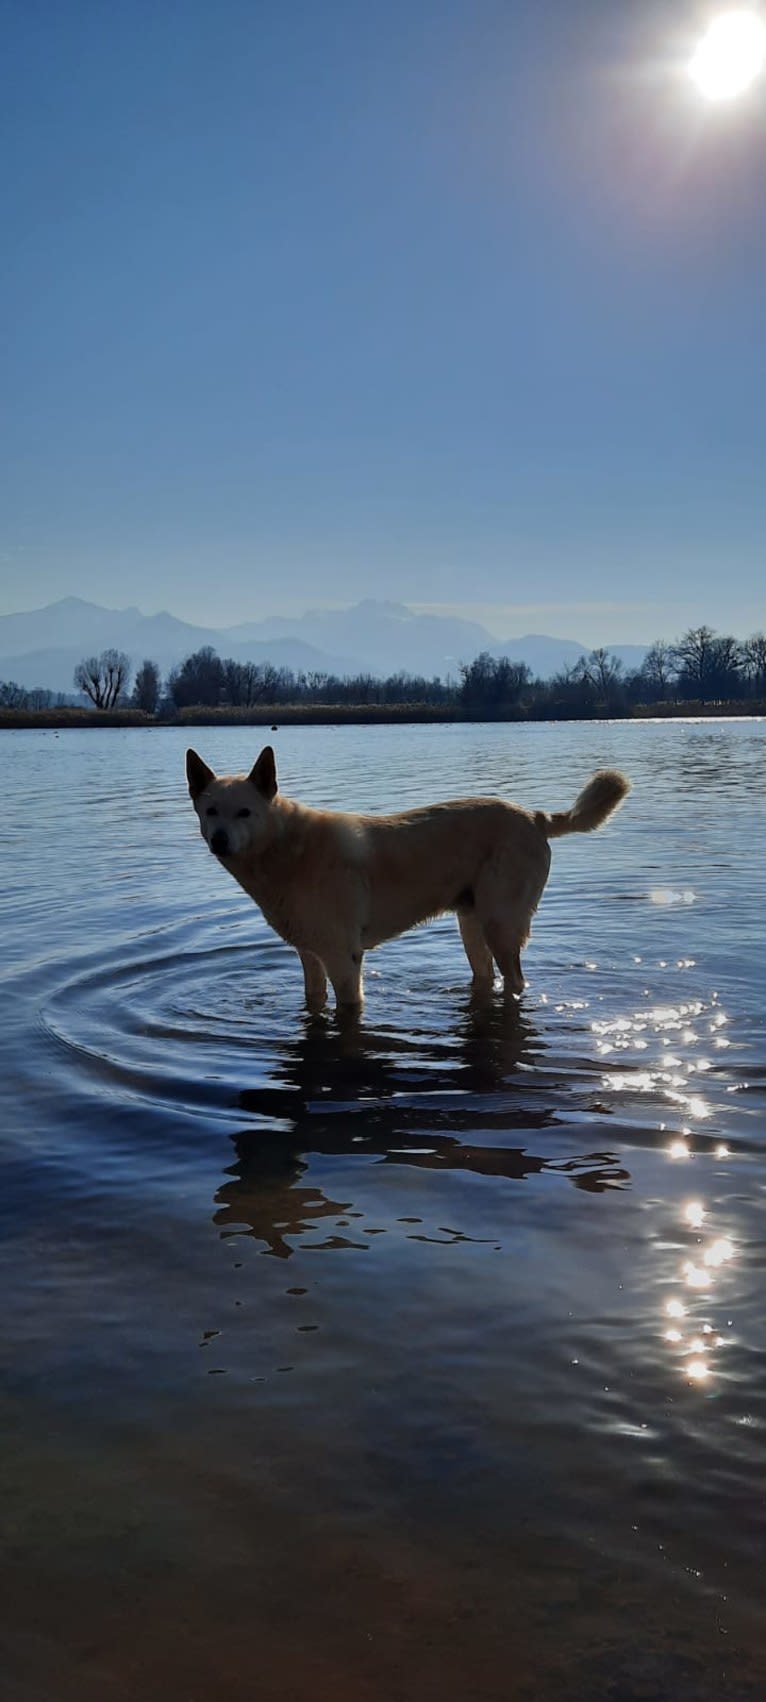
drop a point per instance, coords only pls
(395, 1360)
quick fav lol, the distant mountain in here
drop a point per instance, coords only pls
(387, 637)
(383, 637)
(42, 647)
(73, 623)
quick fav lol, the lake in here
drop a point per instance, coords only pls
(419, 1357)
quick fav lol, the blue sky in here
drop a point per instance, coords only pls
(459, 303)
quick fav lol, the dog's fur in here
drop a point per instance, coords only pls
(334, 884)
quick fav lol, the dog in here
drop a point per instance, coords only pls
(335, 885)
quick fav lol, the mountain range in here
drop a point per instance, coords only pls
(43, 646)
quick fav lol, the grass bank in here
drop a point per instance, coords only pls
(370, 714)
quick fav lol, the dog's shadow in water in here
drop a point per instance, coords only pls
(413, 1100)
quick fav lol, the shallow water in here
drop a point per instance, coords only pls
(421, 1356)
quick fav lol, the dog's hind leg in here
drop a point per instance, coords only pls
(506, 900)
(345, 972)
(505, 946)
(315, 980)
(476, 950)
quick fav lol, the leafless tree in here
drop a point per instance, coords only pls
(12, 696)
(710, 667)
(103, 678)
(602, 671)
(658, 668)
(244, 683)
(754, 661)
(693, 655)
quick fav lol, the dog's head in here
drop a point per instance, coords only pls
(234, 810)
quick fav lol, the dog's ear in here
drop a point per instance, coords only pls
(197, 773)
(264, 773)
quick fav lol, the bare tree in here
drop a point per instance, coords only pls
(12, 696)
(693, 656)
(492, 681)
(243, 682)
(710, 667)
(754, 662)
(658, 668)
(103, 678)
(603, 671)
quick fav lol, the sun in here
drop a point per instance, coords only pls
(730, 56)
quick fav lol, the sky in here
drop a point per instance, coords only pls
(455, 302)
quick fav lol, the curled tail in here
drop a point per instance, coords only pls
(597, 801)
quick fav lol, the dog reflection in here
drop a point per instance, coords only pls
(353, 1091)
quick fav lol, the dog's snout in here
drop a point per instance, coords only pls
(220, 842)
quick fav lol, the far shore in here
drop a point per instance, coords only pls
(367, 714)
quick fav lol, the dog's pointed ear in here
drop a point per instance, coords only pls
(197, 773)
(264, 773)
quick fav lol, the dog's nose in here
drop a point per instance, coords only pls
(219, 842)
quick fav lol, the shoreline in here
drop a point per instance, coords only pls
(274, 716)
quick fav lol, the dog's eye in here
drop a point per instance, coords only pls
(243, 812)
(211, 810)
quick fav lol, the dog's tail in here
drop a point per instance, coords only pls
(597, 801)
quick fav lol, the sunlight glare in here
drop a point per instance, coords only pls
(720, 1251)
(730, 56)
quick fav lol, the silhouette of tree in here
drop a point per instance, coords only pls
(492, 682)
(603, 670)
(146, 688)
(103, 678)
(12, 696)
(710, 667)
(658, 669)
(754, 663)
(199, 679)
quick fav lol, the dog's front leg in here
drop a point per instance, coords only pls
(345, 972)
(315, 980)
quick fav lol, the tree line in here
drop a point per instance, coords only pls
(700, 667)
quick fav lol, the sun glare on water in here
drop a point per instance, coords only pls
(730, 56)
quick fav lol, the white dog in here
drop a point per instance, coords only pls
(335, 884)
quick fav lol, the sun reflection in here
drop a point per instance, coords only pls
(697, 1339)
(671, 1038)
(669, 1029)
(720, 1252)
